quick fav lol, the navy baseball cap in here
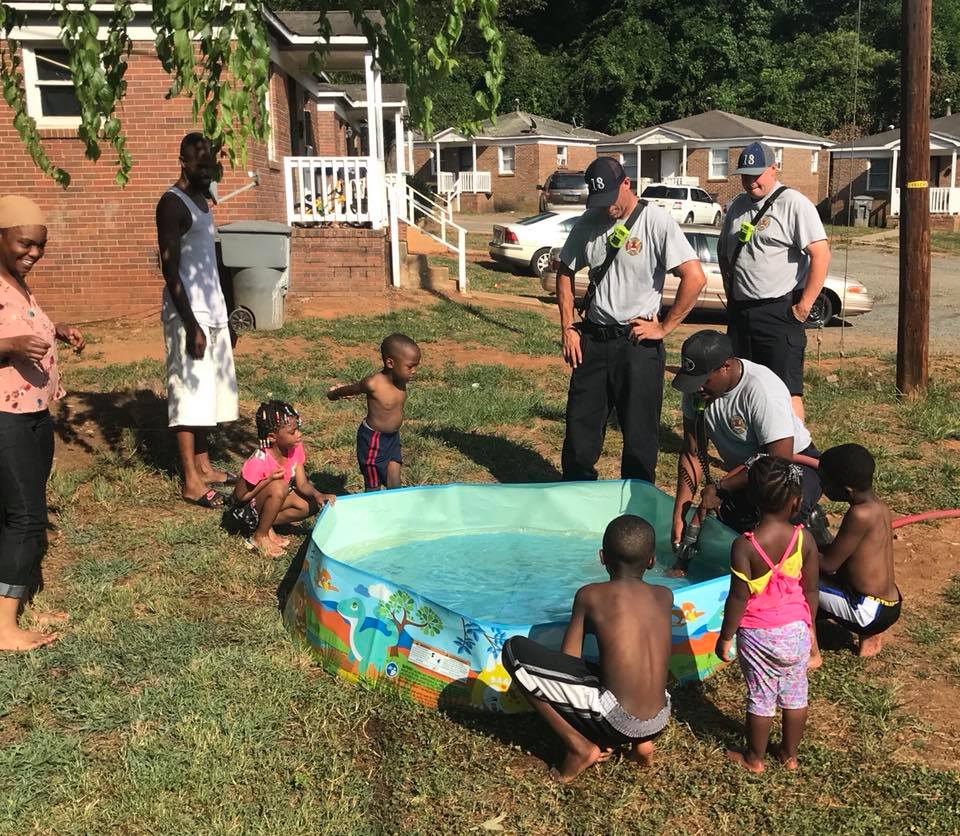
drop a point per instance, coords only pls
(701, 354)
(604, 176)
(756, 158)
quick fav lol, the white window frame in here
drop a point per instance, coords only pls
(717, 171)
(32, 87)
(561, 156)
(501, 168)
(884, 186)
(272, 155)
(778, 157)
(814, 162)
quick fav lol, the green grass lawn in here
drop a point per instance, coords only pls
(176, 703)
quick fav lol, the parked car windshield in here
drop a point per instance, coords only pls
(535, 219)
(568, 181)
(665, 192)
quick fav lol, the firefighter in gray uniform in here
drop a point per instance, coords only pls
(616, 352)
(774, 257)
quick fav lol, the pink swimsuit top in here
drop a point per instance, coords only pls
(777, 598)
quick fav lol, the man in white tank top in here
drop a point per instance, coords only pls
(201, 380)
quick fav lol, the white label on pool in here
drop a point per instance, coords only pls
(448, 666)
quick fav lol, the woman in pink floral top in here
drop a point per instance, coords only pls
(29, 382)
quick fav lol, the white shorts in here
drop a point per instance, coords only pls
(200, 393)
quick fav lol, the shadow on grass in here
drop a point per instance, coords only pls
(289, 580)
(528, 731)
(505, 460)
(831, 636)
(141, 417)
(476, 312)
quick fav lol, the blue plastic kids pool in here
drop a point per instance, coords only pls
(420, 587)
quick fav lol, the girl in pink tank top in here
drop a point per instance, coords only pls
(773, 593)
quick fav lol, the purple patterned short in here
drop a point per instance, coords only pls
(774, 664)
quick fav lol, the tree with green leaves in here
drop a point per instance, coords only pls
(400, 606)
(217, 54)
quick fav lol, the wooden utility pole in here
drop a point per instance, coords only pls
(913, 328)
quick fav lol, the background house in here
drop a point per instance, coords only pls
(102, 260)
(870, 167)
(702, 150)
(501, 167)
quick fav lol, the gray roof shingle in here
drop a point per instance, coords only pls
(718, 124)
(341, 23)
(945, 126)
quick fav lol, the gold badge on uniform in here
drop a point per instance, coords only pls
(633, 246)
(738, 425)
(762, 224)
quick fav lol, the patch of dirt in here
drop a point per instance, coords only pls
(926, 558)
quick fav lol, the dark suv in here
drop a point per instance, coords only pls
(563, 188)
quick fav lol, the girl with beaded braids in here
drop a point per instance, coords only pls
(273, 488)
(769, 608)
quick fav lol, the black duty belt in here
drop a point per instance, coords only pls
(603, 333)
(756, 303)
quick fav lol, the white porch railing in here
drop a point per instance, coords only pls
(472, 182)
(409, 205)
(322, 189)
(943, 201)
(445, 181)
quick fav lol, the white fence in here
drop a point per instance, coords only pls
(943, 201)
(322, 189)
(472, 182)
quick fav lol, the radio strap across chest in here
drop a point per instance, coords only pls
(753, 222)
(597, 276)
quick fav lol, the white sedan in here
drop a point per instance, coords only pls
(686, 204)
(527, 243)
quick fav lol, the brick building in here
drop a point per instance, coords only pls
(702, 150)
(870, 167)
(102, 259)
(500, 168)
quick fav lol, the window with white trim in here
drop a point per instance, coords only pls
(506, 157)
(561, 156)
(272, 139)
(814, 161)
(778, 156)
(719, 162)
(51, 97)
(878, 174)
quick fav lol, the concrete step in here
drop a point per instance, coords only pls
(419, 243)
(416, 271)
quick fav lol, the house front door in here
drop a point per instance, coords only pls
(669, 163)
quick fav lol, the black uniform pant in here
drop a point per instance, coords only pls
(617, 373)
(765, 331)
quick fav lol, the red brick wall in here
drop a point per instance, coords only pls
(344, 261)
(102, 261)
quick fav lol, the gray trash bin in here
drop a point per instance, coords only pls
(258, 256)
(862, 207)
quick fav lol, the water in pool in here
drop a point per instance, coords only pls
(509, 577)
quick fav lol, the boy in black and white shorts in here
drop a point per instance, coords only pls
(622, 700)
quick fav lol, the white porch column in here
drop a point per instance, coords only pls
(637, 184)
(953, 169)
(399, 144)
(410, 168)
(378, 104)
(475, 158)
(893, 180)
(683, 170)
(436, 151)
(375, 184)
